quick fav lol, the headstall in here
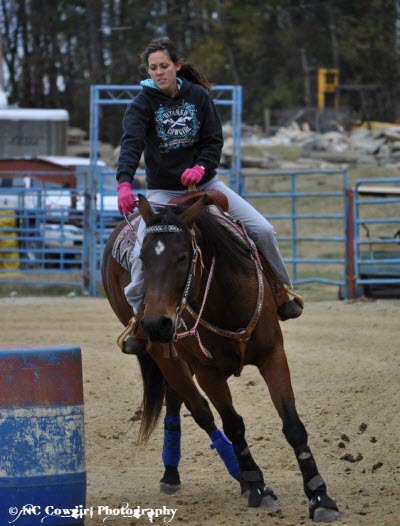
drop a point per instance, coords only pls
(242, 336)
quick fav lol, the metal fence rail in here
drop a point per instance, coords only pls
(376, 232)
(43, 246)
(309, 207)
(112, 95)
(46, 241)
(43, 235)
(55, 244)
(294, 188)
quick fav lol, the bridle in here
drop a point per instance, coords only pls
(243, 335)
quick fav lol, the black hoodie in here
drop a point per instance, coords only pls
(175, 133)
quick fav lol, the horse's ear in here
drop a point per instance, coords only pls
(190, 216)
(145, 209)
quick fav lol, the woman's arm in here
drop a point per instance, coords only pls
(134, 127)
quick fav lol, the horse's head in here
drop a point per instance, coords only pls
(166, 256)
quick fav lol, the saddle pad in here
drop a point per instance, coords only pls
(229, 224)
(125, 243)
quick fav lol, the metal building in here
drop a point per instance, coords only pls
(33, 132)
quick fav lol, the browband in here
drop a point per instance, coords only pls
(162, 229)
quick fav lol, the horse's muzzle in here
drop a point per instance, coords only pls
(159, 329)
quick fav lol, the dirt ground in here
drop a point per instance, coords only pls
(344, 360)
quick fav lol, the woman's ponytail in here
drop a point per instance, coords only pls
(189, 72)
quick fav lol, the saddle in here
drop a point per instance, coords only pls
(214, 197)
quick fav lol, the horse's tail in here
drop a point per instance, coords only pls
(154, 388)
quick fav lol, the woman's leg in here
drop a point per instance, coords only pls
(135, 290)
(260, 230)
(263, 234)
(134, 343)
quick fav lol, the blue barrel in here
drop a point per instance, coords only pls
(42, 450)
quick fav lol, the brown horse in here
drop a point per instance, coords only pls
(191, 265)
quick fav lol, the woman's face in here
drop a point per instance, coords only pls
(163, 71)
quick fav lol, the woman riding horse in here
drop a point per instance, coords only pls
(209, 311)
(175, 122)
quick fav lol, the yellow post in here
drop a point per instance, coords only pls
(8, 240)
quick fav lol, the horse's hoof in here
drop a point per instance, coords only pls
(169, 489)
(269, 502)
(323, 509)
(262, 497)
(325, 515)
(244, 489)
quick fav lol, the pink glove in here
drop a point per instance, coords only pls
(193, 175)
(126, 199)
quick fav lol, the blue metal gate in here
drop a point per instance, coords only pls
(376, 236)
(239, 181)
(230, 96)
(310, 209)
(43, 230)
(305, 234)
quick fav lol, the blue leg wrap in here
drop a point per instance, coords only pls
(225, 450)
(171, 453)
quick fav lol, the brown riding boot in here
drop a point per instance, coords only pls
(132, 339)
(288, 308)
(292, 308)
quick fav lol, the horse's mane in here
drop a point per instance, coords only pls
(230, 254)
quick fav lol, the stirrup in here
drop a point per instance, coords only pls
(295, 295)
(126, 332)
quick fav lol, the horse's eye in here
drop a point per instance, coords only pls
(181, 258)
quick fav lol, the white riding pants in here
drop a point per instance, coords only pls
(259, 229)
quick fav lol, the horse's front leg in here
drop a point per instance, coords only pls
(275, 372)
(251, 477)
(179, 377)
(171, 453)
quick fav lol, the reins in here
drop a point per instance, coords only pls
(243, 335)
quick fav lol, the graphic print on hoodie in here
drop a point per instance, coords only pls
(177, 127)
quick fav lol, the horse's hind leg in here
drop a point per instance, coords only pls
(251, 478)
(171, 453)
(275, 372)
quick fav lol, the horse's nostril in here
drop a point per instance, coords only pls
(159, 329)
(166, 323)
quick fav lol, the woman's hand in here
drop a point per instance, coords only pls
(126, 199)
(193, 175)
